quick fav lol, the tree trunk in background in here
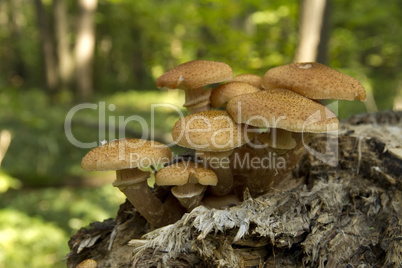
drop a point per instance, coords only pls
(13, 9)
(64, 55)
(398, 98)
(313, 31)
(322, 53)
(47, 48)
(84, 50)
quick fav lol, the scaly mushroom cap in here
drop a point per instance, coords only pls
(195, 74)
(209, 131)
(126, 153)
(315, 81)
(222, 94)
(281, 108)
(251, 79)
(185, 172)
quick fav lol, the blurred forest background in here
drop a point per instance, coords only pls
(55, 54)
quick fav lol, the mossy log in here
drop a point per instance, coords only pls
(348, 215)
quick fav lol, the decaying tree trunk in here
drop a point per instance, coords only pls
(344, 216)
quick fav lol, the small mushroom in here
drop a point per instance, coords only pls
(315, 81)
(128, 157)
(88, 263)
(251, 79)
(189, 179)
(290, 114)
(192, 77)
(222, 94)
(213, 134)
(220, 163)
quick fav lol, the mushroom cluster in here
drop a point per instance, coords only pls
(248, 132)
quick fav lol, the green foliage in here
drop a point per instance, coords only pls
(7, 182)
(249, 35)
(41, 154)
(365, 43)
(29, 241)
(38, 133)
(136, 41)
(35, 225)
(69, 208)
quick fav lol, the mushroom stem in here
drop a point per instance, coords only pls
(267, 167)
(278, 176)
(252, 168)
(283, 179)
(277, 138)
(133, 183)
(189, 195)
(225, 181)
(199, 107)
(219, 162)
(197, 100)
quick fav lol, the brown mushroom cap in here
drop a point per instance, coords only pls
(209, 131)
(185, 172)
(281, 108)
(251, 79)
(195, 74)
(315, 81)
(222, 94)
(126, 153)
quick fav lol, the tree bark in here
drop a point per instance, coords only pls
(344, 215)
(313, 31)
(84, 50)
(64, 55)
(50, 62)
(13, 11)
(398, 98)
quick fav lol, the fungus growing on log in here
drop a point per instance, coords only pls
(213, 134)
(129, 157)
(315, 81)
(192, 77)
(189, 180)
(222, 94)
(285, 110)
